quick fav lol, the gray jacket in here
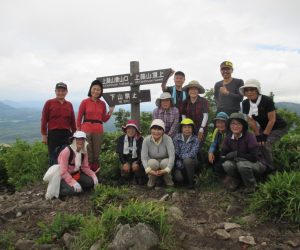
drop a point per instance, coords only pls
(152, 151)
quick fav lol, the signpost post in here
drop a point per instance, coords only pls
(132, 80)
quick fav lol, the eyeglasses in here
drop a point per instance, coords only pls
(236, 124)
(250, 89)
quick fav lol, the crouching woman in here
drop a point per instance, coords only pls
(76, 174)
(186, 149)
(129, 146)
(241, 152)
(158, 154)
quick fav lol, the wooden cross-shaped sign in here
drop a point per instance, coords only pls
(133, 80)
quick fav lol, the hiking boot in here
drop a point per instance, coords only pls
(232, 184)
(168, 180)
(152, 181)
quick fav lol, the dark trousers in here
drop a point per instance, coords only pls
(187, 173)
(218, 167)
(85, 181)
(56, 139)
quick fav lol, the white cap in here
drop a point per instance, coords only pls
(79, 134)
(251, 83)
(159, 123)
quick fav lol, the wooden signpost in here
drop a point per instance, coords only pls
(133, 80)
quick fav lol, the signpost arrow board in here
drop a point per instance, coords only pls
(116, 81)
(127, 97)
(153, 76)
(141, 78)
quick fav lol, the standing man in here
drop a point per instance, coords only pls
(226, 92)
(176, 91)
(58, 122)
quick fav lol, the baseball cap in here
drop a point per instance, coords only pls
(61, 85)
(226, 64)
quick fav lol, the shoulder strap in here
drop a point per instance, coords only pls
(72, 155)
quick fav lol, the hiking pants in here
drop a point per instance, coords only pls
(56, 139)
(245, 169)
(85, 181)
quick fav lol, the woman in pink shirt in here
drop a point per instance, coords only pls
(75, 172)
(91, 116)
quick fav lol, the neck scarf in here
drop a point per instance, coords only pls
(77, 154)
(254, 107)
(127, 148)
(174, 95)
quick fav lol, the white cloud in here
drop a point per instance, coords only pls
(44, 42)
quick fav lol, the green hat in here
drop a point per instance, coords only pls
(240, 117)
(226, 64)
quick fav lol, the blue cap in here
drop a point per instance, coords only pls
(222, 116)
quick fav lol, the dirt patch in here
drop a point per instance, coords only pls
(204, 211)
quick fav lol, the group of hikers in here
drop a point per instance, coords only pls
(172, 151)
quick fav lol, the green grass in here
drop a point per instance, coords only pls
(7, 240)
(278, 198)
(134, 212)
(104, 196)
(61, 224)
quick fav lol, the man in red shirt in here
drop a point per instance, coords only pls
(58, 122)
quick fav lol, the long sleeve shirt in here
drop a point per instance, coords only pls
(217, 139)
(185, 149)
(128, 158)
(57, 115)
(170, 117)
(196, 111)
(246, 146)
(151, 150)
(92, 110)
(66, 170)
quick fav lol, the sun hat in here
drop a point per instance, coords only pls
(163, 96)
(159, 123)
(131, 123)
(79, 134)
(250, 83)
(240, 117)
(194, 84)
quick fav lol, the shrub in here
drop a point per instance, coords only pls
(3, 171)
(110, 165)
(207, 179)
(278, 198)
(7, 240)
(286, 152)
(60, 225)
(104, 196)
(90, 232)
(25, 163)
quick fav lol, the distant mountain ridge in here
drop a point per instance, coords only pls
(290, 106)
(24, 122)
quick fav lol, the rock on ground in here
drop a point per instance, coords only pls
(139, 237)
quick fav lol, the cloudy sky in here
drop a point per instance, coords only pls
(44, 42)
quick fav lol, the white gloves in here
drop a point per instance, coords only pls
(77, 187)
(96, 182)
